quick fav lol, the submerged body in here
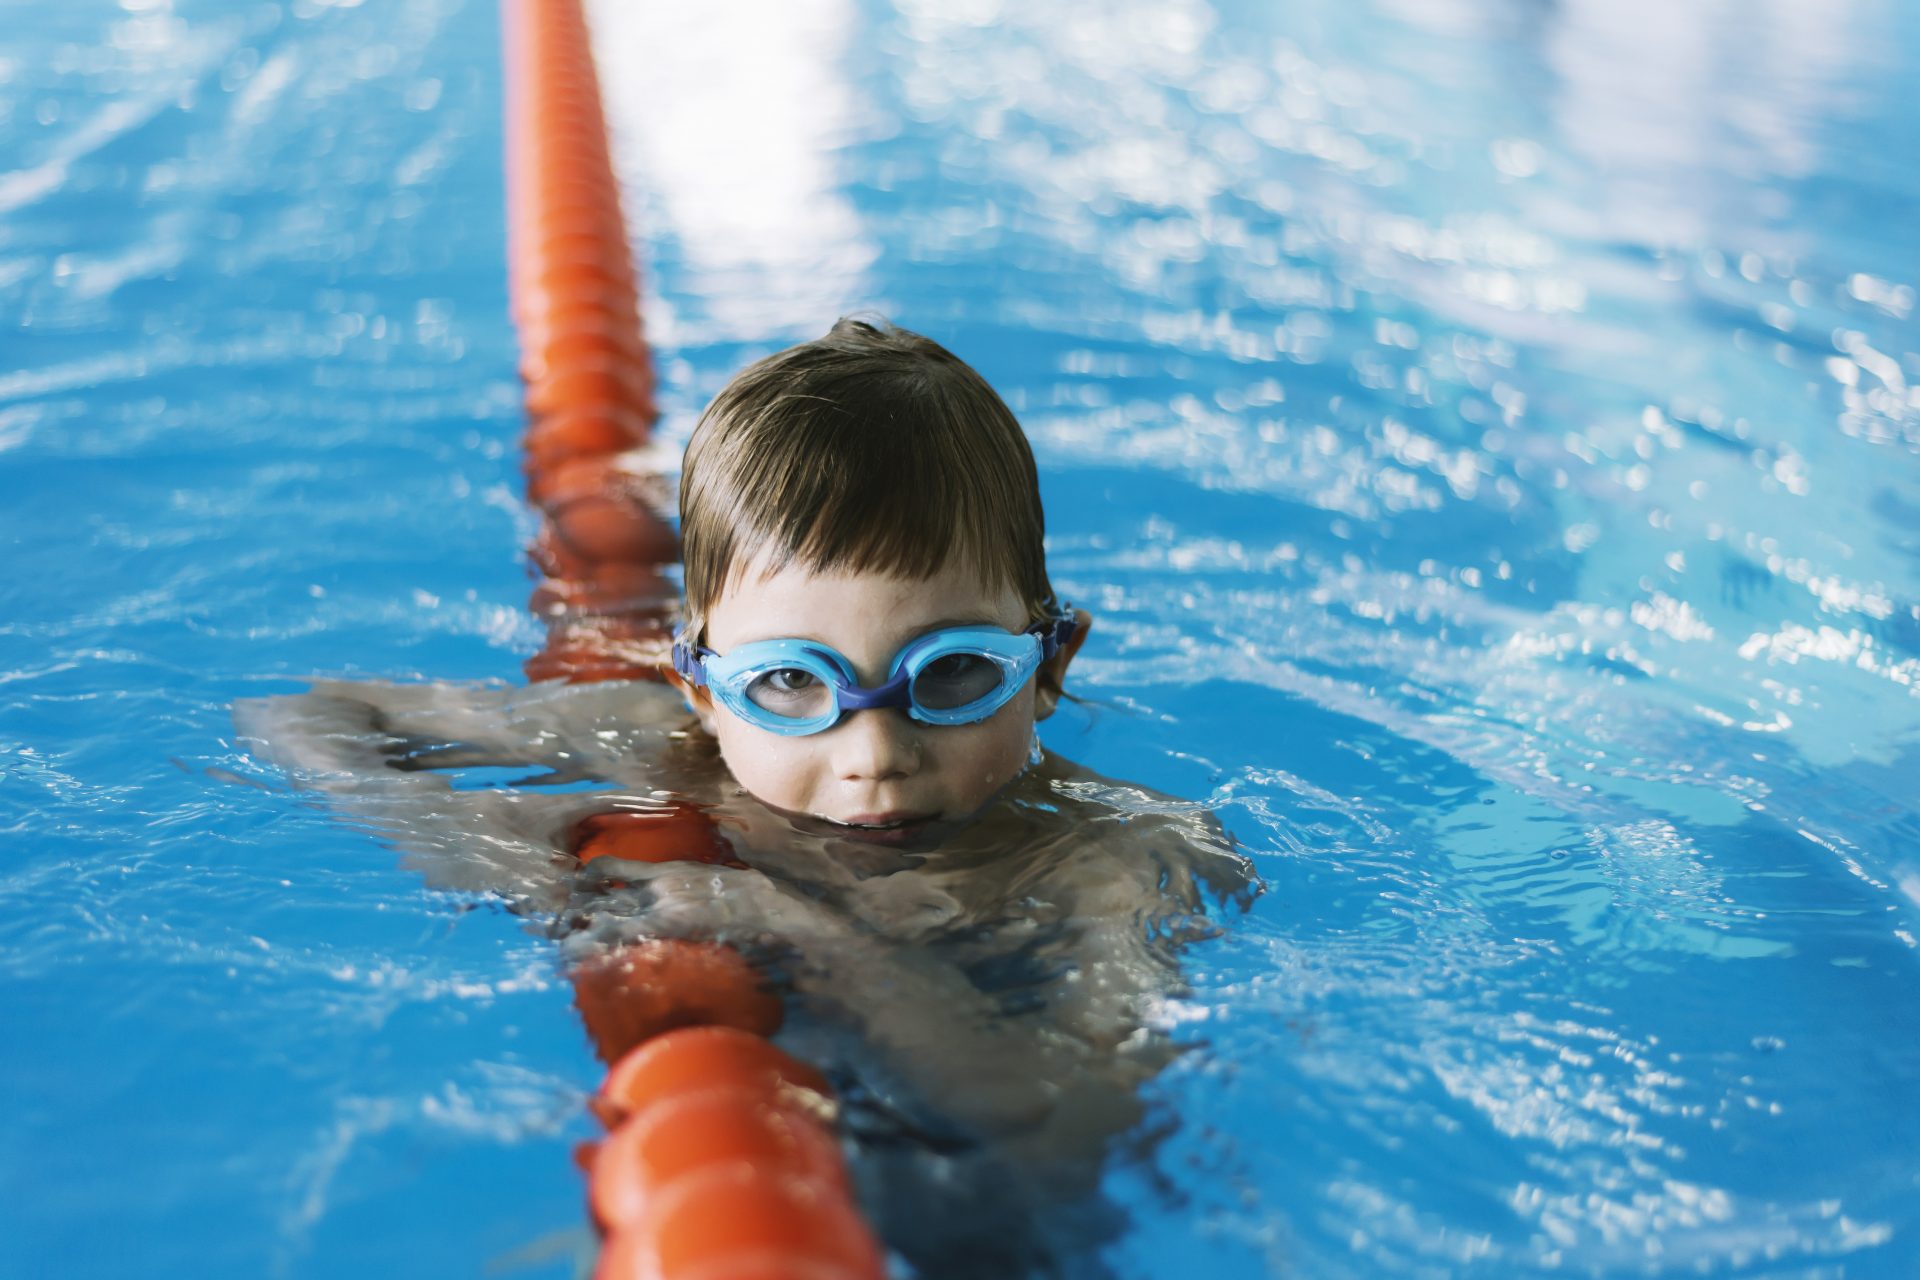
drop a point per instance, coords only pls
(992, 998)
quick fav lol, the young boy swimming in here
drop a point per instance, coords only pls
(870, 635)
(971, 929)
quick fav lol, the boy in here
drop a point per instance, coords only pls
(972, 929)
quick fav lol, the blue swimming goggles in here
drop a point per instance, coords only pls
(958, 676)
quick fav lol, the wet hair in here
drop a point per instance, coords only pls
(871, 449)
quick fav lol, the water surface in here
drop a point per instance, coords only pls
(1486, 431)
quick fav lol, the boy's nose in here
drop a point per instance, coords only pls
(876, 745)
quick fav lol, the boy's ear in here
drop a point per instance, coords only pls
(698, 700)
(1052, 676)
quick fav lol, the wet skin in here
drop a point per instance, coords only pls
(995, 973)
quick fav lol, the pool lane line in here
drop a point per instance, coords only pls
(721, 1161)
(603, 542)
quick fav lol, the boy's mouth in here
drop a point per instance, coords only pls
(895, 828)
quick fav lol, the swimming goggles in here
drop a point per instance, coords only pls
(960, 675)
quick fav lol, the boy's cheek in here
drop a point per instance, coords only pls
(1004, 743)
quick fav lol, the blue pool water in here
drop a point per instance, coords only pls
(1487, 432)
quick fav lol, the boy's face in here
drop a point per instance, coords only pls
(877, 775)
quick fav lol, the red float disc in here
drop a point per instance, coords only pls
(701, 1058)
(648, 992)
(680, 1136)
(729, 1213)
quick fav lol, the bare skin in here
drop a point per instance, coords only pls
(1000, 989)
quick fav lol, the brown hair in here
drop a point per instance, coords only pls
(869, 449)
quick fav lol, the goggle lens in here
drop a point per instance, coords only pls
(792, 693)
(955, 680)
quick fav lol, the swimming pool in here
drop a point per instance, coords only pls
(1486, 432)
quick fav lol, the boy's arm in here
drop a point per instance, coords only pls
(394, 758)
(1136, 890)
(1054, 1085)
(919, 1020)
(1131, 895)
(391, 756)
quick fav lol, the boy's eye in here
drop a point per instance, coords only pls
(789, 691)
(955, 679)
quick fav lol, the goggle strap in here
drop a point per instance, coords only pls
(1055, 633)
(690, 663)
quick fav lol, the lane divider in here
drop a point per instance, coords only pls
(603, 540)
(721, 1161)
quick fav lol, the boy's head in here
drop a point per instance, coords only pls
(870, 449)
(861, 491)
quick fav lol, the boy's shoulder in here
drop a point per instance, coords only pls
(1130, 832)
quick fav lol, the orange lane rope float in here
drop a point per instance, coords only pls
(721, 1161)
(603, 542)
